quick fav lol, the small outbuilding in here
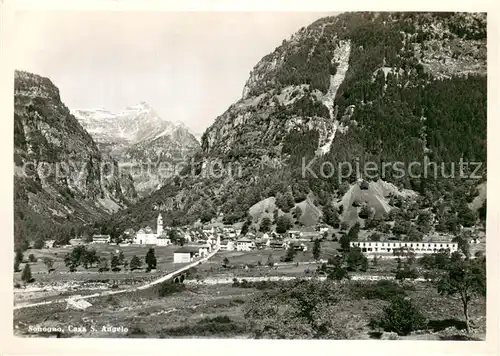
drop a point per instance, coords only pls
(185, 254)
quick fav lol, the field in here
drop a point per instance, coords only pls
(201, 309)
(61, 282)
(191, 313)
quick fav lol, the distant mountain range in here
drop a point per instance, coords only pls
(138, 137)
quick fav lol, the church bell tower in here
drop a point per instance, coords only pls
(159, 225)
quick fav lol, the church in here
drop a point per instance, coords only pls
(147, 236)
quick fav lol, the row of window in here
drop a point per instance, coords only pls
(400, 244)
(389, 249)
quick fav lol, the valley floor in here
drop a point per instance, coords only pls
(202, 309)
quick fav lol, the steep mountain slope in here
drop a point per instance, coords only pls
(140, 140)
(355, 88)
(60, 175)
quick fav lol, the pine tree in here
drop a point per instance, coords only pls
(135, 263)
(115, 263)
(316, 249)
(26, 275)
(121, 258)
(150, 259)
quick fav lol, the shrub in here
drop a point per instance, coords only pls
(219, 325)
(32, 258)
(401, 316)
(136, 331)
(384, 290)
(364, 185)
(168, 288)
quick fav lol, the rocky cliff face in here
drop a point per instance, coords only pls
(355, 87)
(59, 171)
(140, 141)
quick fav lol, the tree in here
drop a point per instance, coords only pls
(297, 309)
(339, 270)
(401, 226)
(244, 228)
(356, 260)
(424, 221)
(115, 263)
(135, 263)
(225, 262)
(39, 244)
(150, 259)
(345, 244)
(26, 275)
(365, 212)
(414, 234)
(48, 262)
(290, 254)
(353, 232)
(174, 236)
(121, 258)
(88, 258)
(374, 237)
(16, 266)
(283, 224)
(103, 265)
(316, 249)
(297, 213)
(331, 216)
(401, 316)
(467, 278)
(270, 261)
(462, 241)
(19, 256)
(265, 224)
(405, 271)
(76, 257)
(207, 215)
(290, 200)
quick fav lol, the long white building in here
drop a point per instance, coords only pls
(416, 246)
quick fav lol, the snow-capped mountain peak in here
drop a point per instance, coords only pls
(138, 134)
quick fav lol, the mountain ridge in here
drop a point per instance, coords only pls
(396, 102)
(61, 178)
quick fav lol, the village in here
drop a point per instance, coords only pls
(198, 242)
(194, 242)
(214, 261)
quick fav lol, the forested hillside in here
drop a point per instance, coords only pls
(414, 88)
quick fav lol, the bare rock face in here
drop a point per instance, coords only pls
(59, 171)
(379, 87)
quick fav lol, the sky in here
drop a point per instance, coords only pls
(188, 67)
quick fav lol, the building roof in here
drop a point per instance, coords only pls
(187, 249)
(245, 239)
